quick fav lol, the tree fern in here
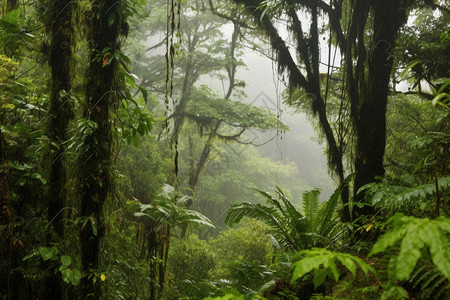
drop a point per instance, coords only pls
(289, 227)
(267, 214)
(415, 235)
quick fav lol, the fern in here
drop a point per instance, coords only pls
(431, 283)
(324, 263)
(289, 227)
(395, 197)
(277, 222)
(394, 292)
(310, 201)
(414, 235)
(326, 223)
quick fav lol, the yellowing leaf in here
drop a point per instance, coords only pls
(102, 277)
(106, 59)
(8, 106)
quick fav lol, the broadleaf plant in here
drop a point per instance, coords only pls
(325, 263)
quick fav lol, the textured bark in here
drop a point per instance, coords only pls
(96, 161)
(368, 85)
(59, 26)
(11, 5)
(60, 29)
(307, 49)
(367, 79)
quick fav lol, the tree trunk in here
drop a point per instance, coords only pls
(369, 89)
(59, 26)
(95, 161)
(11, 5)
(61, 63)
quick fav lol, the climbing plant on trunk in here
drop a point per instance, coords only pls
(60, 29)
(95, 163)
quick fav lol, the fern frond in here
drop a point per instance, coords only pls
(420, 192)
(395, 197)
(268, 215)
(414, 234)
(324, 263)
(429, 281)
(415, 278)
(325, 213)
(291, 211)
(310, 203)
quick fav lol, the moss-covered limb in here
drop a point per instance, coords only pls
(231, 67)
(298, 80)
(302, 47)
(96, 157)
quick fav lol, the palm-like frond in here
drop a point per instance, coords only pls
(165, 209)
(269, 215)
(289, 227)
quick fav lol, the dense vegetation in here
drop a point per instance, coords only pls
(133, 163)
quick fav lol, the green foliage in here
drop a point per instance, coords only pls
(429, 281)
(206, 107)
(243, 255)
(228, 297)
(310, 202)
(394, 292)
(441, 97)
(393, 197)
(324, 263)
(417, 139)
(232, 174)
(290, 228)
(191, 259)
(247, 243)
(417, 237)
(70, 269)
(165, 210)
(14, 32)
(425, 41)
(144, 170)
(285, 221)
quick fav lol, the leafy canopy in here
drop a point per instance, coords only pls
(206, 107)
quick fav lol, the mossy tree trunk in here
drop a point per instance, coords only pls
(367, 65)
(10, 6)
(101, 95)
(368, 83)
(60, 30)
